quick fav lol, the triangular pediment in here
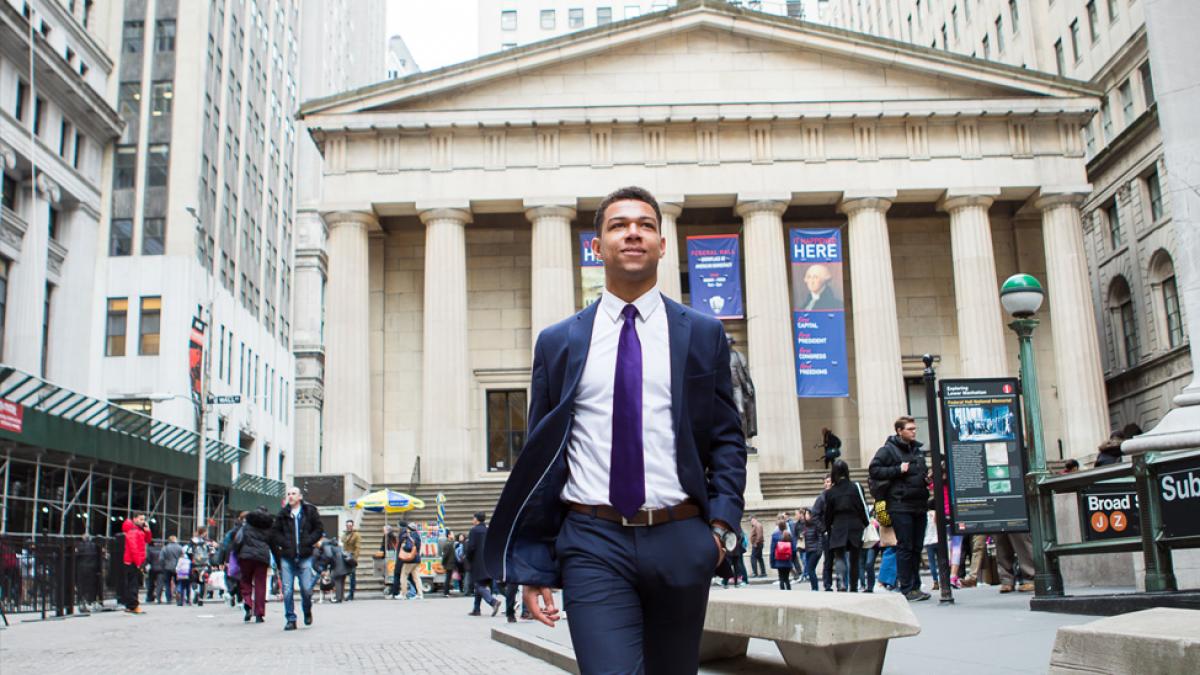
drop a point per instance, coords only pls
(701, 52)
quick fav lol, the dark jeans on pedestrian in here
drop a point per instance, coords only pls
(785, 583)
(510, 600)
(183, 591)
(844, 556)
(910, 535)
(866, 568)
(758, 566)
(483, 591)
(447, 584)
(253, 582)
(810, 567)
(162, 585)
(132, 587)
(827, 568)
(353, 583)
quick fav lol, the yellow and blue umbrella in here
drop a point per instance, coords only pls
(387, 501)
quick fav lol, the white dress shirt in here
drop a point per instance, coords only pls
(589, 451)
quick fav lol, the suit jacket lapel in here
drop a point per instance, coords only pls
(579, 341)
(679, 329)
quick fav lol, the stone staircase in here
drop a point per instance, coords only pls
(790, 491)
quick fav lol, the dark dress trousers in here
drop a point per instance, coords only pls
(636, 596)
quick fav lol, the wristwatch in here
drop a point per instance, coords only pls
(727, 538)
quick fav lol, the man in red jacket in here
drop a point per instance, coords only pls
(137, 535)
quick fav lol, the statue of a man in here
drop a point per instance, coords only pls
(743, 390)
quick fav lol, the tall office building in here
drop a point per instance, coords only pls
(55, 127)
(1127, 225)
(345, 48)
(199, 223)
(504, 24)
(400, 61)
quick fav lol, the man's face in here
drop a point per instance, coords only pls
(909, 432)
(629, 242)
(828, 482)
(815, 278)
(349, 525)
(293, 496)
(140, 521)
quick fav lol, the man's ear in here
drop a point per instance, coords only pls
(596, 248)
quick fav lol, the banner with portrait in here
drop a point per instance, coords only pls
(715, 275)
(591, 269)
(818, 313)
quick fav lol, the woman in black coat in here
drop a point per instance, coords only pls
(252, 545)
(845, 517)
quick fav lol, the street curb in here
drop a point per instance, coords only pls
(554, 654)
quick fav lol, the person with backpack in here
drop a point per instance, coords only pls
(199, 566)
(844, 518)
(897, 476)
(169, 560)
(781, 555)
(831, 445)
(409, 554)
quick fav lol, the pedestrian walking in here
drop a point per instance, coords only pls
(200, 565)
(152, 570)
(898, 473)
(781, 555)
(479, 570)
(814, 542)
(449, 563)
(831, 447)
(410, 555)
(297, 529)
(845, 517)
(758, 567)
(137, 537)
(252, 546)
(352, 545)
(171, 552)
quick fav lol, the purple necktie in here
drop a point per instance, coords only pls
(627, 474)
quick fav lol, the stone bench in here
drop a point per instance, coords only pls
(1161, 640)
(815, 632)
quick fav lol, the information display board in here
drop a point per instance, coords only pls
(1109, 511)
(985, 455)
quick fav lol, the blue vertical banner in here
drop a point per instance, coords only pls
(818, 313)
(591, 269)
(715, 275)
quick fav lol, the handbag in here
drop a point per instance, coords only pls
(233, 569)
(881, 513)
(870, 536)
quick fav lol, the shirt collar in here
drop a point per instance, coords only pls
(646, 305)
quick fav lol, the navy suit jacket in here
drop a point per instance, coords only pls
(710, 449)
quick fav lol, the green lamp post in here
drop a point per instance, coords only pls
(1022, 295)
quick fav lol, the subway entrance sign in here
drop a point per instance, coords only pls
(1178, 488)
(1109, 511)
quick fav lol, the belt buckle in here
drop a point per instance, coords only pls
(649, 520)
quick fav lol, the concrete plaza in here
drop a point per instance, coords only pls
(983, 633)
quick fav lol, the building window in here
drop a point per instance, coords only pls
(131, 37)
(124, 167)
(148, 326)
(153, 239)
(161, 95)
(46, 328)
(158, 158)
(77, 151)
(1000, 35)
(945, 39)
(129, 97)
(1106, 121)
(1059, 60)
(1075, 40)
(1170, 298)
(603, 15)
(508, 19)
(1093, 21)
(1120, 302)
(52, 222)
(954, 22)
(1113, 218)
(575, 17)
(1112, 11)
(547, 19)
(1014, 16)
(8, 187)
(987, 48)
(1154, 196)
(64, 139)
(118, 311)
(1125, 91)
(506, 427)
(3, 300)
(22, 101)
(39, 105)
(164, 35)
(1147, 83)
(120, 237)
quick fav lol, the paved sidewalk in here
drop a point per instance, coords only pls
(367, 636)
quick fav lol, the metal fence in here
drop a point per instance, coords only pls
(58, 576)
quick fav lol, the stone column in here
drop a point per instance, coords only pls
(1081, 395)
(668, 267)
(27, 284)
(878, 369)
(976, 290)
(553, 267)
(347, 399)
(445, 371)
(769, 333)
(308, 340)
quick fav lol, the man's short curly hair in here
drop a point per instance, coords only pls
(630, 193)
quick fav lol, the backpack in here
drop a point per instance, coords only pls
(783, 550)
(200, 555)
(879, 488)
(459, 553)
(183, 568)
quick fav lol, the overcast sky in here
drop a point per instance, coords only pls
(438, 33)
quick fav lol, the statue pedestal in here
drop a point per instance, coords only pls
(753, 494)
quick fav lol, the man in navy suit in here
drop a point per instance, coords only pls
(628, 492)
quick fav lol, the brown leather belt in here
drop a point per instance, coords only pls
(644, 518)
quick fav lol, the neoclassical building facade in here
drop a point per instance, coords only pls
(453, 200)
